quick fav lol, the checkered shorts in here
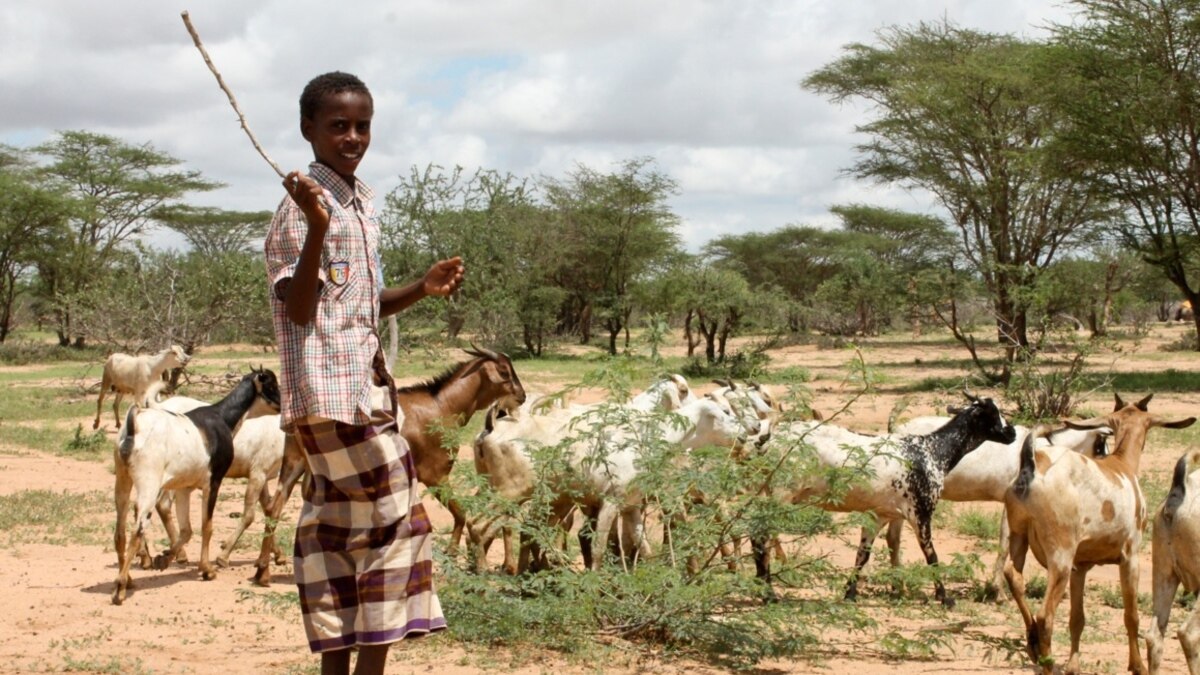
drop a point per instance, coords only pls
(363, 556)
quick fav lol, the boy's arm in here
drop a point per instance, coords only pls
(303, 291)
(442, 279)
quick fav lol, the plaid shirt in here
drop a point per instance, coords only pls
(326, 366)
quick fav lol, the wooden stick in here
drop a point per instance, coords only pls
(232, 101)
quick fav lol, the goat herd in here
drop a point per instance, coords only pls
(1071, 494)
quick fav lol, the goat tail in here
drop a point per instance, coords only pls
(125, 440)
(1179, 484)
(1026, 473)
(152, 392)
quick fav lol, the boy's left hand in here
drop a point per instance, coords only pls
(444, 277)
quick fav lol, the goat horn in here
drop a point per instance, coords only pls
(970, 397)
(1142, 404)
(480, 351)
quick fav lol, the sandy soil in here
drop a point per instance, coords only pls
(58, 617)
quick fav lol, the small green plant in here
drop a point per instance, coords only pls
(1035, 587)
(974, 522)
(90, 445)
(1111, 596)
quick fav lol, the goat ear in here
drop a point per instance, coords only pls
(1174, 424)
(954, 409)
(1117, 402)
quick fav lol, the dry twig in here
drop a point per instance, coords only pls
(232, 101)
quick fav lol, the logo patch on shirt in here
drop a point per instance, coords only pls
(339, 272)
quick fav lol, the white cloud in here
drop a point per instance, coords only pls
(710, 89)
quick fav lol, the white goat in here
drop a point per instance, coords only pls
(1176, 559)
(671, 392)
(1074, 514)
(906, 478)
(160, 450)
(125, 374)
(603, 466)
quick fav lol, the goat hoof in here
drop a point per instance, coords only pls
(208, 574)
(262, 577)
(222, 562)
(95, 425)
(161, 561)
(948, 603)
(1031, 643)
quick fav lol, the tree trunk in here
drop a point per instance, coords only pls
(689, 334)
(585, 324)
(393, 341)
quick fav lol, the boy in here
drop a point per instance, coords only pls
(363, 559)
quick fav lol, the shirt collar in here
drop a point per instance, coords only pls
(330, 180)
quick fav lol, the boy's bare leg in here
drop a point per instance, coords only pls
(371, 660)
(336, 662)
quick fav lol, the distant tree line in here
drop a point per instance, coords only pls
(1064, 171)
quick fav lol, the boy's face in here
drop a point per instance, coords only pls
(340, 131)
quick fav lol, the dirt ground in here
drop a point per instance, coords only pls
(58, 615)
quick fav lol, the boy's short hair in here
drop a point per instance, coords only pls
(326, 85)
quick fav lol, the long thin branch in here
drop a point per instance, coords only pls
(232, 101)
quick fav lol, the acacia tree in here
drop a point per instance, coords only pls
(150, 299)
(486, 217)
(216, 232)
(794, 259)
(615, 228)
(1135, 76)
(120, 191)
(963, 115)
(29, 213)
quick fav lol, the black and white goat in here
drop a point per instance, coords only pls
(906, 475)
(159, 450)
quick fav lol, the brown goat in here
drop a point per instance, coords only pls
(1074, 514)
(448, 400)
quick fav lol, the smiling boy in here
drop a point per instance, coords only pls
(363, 558)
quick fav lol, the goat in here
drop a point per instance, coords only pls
(125, 374)
(258, 451)
(669, 393)
(602, 463)
(908, 473)
(160, 450)
(450, 398)
(1176, 559)
(666, 394)
(985, 474)
(1075, 513)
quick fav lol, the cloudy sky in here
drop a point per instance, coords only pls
(708, 88)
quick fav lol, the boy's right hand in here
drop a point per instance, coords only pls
(309, 196)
